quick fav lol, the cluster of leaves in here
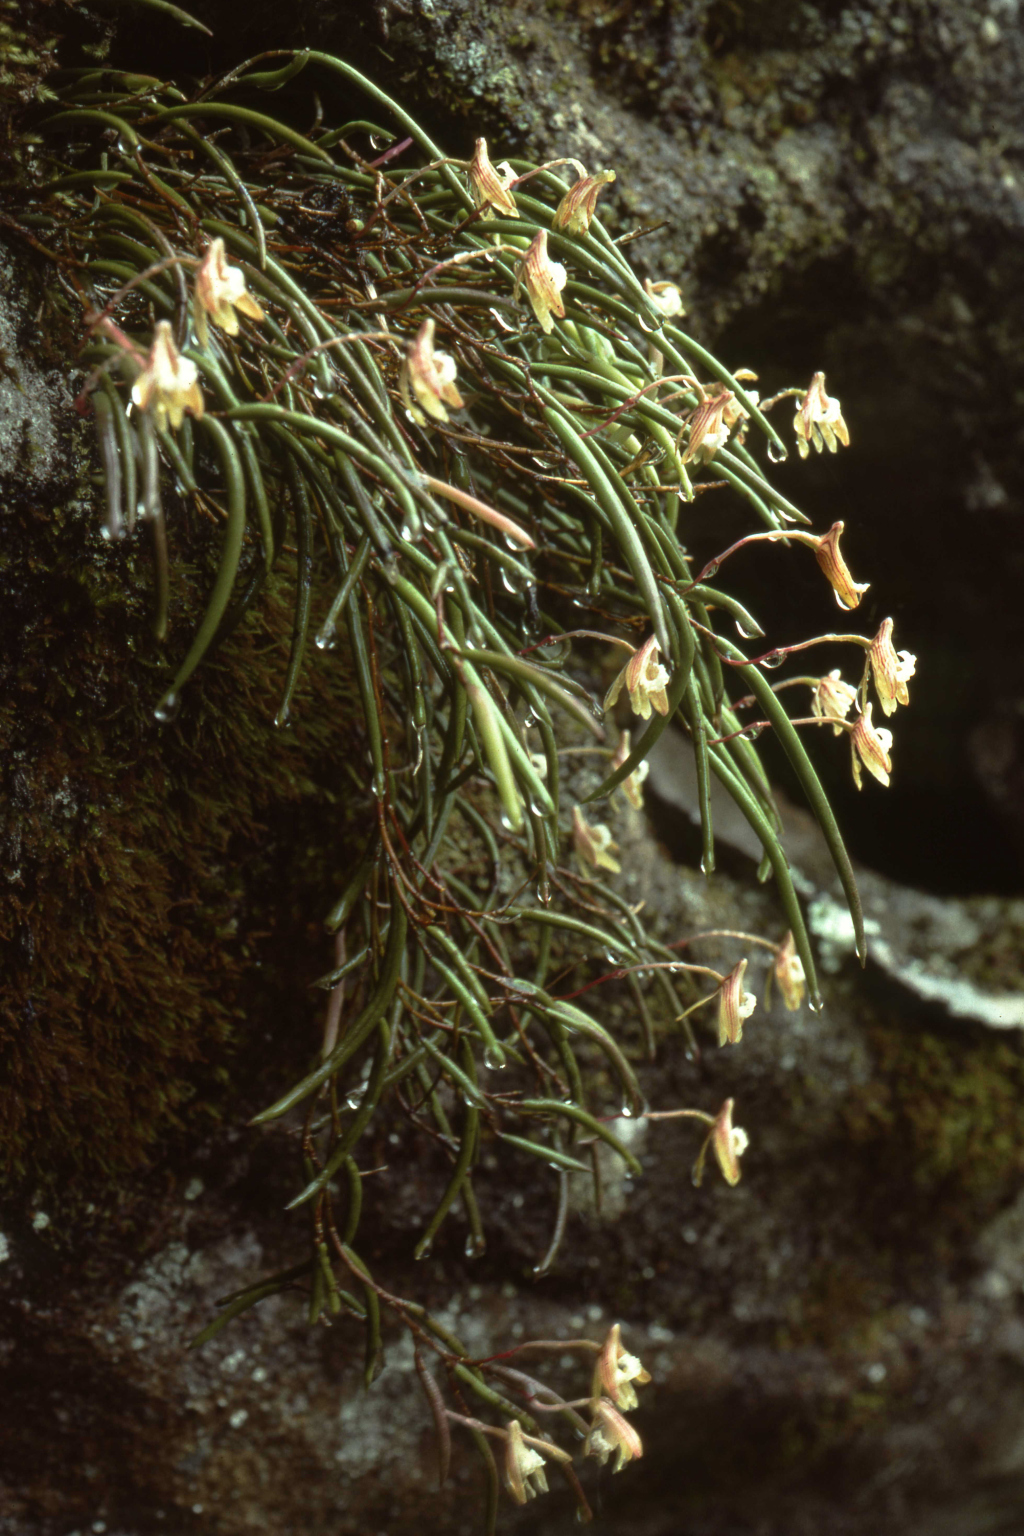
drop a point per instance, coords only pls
(461, 546)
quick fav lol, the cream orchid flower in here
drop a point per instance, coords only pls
(890, 669)
(220, 291)
(612, 1434)
(644, 679)
(427, 380)
(870, 745)
(832, 699)
(594, 843)
(168, 385)
(819, 421)
(616, 1371)
(734, 1005)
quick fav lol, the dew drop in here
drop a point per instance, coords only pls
(710, 570)
(511, 582)
(408, 532)
(377, 141)
(816, 1004)
(626, 1112)
(106, 533)
(167, 709)
(544, 893)
(773, 659)
(423, 1251)
(476, 1246)
(707, 865)
(747, 631)
(494, 1058)
(777, 454)
(648, 323)
(752, 732)
(325, 640)
(282, 718)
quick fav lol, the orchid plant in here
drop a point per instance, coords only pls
(318, 331)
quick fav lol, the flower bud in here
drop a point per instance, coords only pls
(169, 383)
(848, 592)
(890, 669)
(427, 380)
(579, 204)
(544, 280)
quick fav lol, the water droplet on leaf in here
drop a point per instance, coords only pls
(168, 708)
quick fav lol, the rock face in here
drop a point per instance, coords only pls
(836, 1344)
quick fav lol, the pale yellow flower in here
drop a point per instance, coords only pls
(220, 291)
(594, 843)
(427, 380)
(616, 1371)
(789, 973)
(579, 204)
(489, 185)
(544, 280)
(665, 296)
(832, 699)
(890, 669)
(709, 427)
(632, 784)
(168, 386)
(644, 679)
(870, 746)
(734, 1005)
(611, 1433)
(727, 1141)
(524, 1468)
(848, 592)
(819, 421)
